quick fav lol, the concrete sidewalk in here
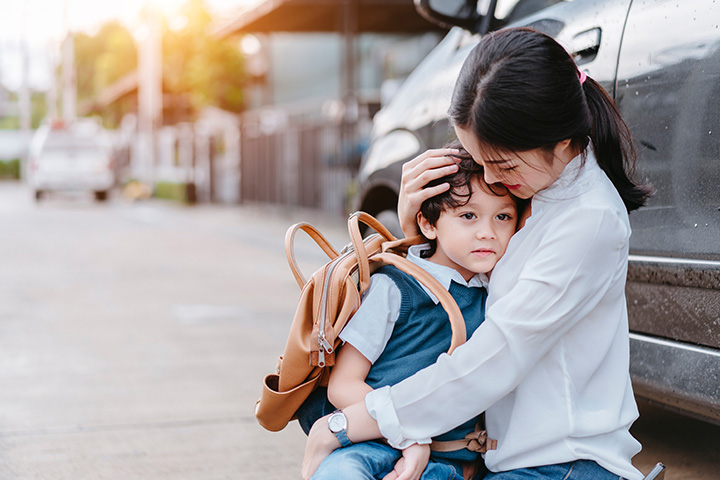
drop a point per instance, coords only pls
(133, 339)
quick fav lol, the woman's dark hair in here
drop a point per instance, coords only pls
(459, 192)
(519, 90)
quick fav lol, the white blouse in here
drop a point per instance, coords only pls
(550, 363)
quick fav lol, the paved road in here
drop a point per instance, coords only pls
(133, 340)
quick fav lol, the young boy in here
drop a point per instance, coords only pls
(401, 328)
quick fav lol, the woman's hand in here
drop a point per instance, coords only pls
(412, 464)
(320, 443)
(417, 173)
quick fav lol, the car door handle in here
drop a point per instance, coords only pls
(585, 45)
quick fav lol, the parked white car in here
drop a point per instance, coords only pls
(71, 158)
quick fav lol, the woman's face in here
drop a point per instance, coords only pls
(523, 173)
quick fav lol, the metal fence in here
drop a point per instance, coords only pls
(296, 164)
(262, 157)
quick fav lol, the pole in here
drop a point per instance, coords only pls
(24, 98)
(350, 101)
(52, 95)
(150, 91)
(69, 98)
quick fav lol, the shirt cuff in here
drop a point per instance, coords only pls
(379, 405)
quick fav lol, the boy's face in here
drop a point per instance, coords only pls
(472, 238)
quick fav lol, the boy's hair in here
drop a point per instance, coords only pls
(459, 192)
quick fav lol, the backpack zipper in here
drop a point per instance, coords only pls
(323, 344)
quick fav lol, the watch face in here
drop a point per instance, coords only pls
(337, 422)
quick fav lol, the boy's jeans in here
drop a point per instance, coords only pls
(374, 460)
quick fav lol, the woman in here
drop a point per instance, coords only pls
(549, 365)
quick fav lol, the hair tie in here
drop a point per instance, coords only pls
(582, 76)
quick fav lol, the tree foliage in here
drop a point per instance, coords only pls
(199, 69)
(208, 70)
(103, 58)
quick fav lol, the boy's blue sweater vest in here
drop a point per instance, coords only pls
(421, 334)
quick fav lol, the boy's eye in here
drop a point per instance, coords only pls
(504, 216)
(467, 215)
(509, 168)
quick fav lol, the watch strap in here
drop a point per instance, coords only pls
(343, 438)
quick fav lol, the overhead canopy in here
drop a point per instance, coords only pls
(371, 16)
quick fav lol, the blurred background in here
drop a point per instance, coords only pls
(222, 101)
(152, 155)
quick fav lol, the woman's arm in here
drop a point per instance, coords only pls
(417, 173)
(582, 255)
(347, 379)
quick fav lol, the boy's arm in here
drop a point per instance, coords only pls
(365, 337)
(347, 379)
(347, 386)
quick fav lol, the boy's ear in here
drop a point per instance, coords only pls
(425, 228)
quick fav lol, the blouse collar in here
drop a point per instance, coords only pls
(576, 178)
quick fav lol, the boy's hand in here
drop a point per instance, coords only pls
(412, 464)
(320, 443)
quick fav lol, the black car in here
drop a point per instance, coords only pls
(660, 61)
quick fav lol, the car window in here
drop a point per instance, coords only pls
(67, 140)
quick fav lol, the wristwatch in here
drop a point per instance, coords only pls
(337, 423)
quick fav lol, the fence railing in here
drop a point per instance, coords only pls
(301, 164)
(304, 161)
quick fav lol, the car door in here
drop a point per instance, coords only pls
(668, 91)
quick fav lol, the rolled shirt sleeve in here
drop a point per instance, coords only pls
(371, 326)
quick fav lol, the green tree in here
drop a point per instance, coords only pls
(205, 69)
(199, 69)
(103, 58)
(37, 111)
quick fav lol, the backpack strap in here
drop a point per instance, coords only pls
(476, 441)
(402, 245)
(357, 240)
(290, 248)
(459, 334)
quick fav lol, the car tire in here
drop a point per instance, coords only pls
(38, 195)
(101, 195)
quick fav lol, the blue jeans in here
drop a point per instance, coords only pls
(374, 460)
(577, 470)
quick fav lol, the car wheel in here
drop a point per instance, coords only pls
(101, 195)
(390, 219)
(38, 195)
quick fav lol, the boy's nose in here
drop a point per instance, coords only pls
(485, 232)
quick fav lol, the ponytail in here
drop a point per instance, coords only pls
(614, 150)
(519, 90)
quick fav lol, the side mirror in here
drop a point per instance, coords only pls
(463, 13)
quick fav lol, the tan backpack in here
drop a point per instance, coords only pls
(328, 300)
